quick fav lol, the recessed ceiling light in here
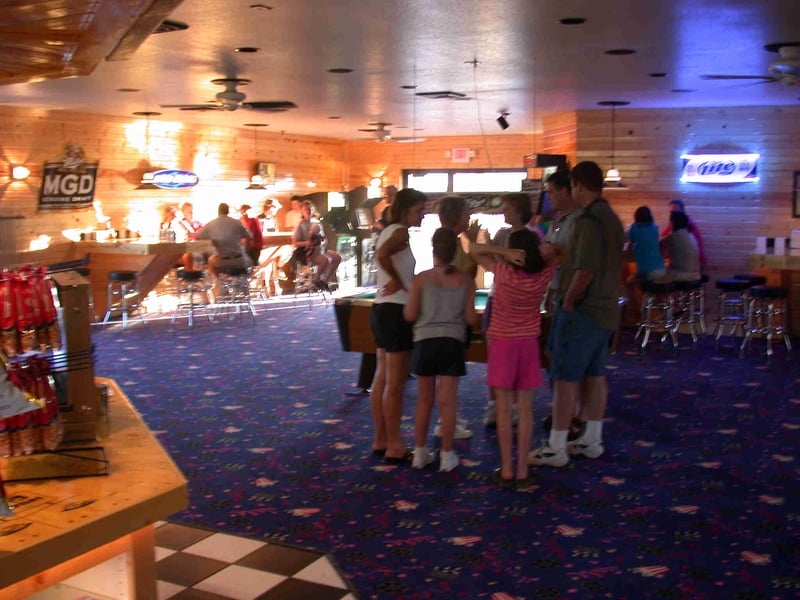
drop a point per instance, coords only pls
(340, 70)
(572, 21)
(247, 49)
(620, 51)
(334, 117)
(613, 103)
(128, 90)
(681, 90)
(658, 74)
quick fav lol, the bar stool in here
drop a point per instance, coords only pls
(191, 283)
(766, 316)
(124, 286)
(732, 306)
(752, 278)
(235, 289)
(688, 295)
(658, 306)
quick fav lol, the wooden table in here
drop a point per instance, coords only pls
(64, 526)
(783, 271)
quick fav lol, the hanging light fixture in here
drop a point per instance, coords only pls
(613, 175)
(256, 181)
(146, 183)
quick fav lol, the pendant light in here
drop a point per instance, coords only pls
(613, 175)
(256, 181)
(146, 182)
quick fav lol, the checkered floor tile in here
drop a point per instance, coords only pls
(197, 564)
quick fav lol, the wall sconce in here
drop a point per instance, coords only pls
(19, 173)
(311, 184)
(256, 183)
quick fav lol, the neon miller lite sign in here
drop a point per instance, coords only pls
(719, 168)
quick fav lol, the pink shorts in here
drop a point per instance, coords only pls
(514, 363)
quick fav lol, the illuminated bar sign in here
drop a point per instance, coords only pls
(719, 168)
(174, 179)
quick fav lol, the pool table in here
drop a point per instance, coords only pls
(352, 318)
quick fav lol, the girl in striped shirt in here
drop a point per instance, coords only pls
(522, 272)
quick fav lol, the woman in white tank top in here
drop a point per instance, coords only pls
(392, 333)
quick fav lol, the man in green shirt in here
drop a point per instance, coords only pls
(586, 320)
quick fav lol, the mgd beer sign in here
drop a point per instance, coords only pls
(68, 182)
(719, 168)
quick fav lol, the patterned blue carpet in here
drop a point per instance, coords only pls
(696, 496)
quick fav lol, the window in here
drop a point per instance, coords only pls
(456, 181)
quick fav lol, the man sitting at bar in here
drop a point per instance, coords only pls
(227, 234)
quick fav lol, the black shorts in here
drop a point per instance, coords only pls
(392, 332)
(438, 356)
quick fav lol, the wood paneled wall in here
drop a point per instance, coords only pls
(223, 158)
(648, 147)
(647, 150)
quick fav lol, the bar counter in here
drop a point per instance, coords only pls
(64, 526)
(150, 258)
(783, 271)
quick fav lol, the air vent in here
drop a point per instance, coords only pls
(445, 95)
(168, 26)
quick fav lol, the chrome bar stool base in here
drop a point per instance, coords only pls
(123, 296)
(191, 283)
(658, 306)
(766, 317)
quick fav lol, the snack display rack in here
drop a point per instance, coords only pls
(82, 411)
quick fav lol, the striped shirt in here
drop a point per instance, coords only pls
(517, 297)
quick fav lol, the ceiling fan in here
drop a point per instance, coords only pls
(785, 69)
(232, 99)
(382, 134)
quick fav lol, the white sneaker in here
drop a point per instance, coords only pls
(590, 450)
(462, 432)
(547, 457)
(422, 458)
(448, 460)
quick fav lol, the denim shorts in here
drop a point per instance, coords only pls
(392, 332)
(580, 347)
(438, 356)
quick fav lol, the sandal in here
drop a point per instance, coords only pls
(399, 460)
(501, 481)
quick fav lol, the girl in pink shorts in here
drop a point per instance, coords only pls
(521, 275)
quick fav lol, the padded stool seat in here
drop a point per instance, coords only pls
(123, 275)
(732, 285)
(236, 271)
(658, 305)
(124, 286)
(752, 278)
(768, 292)
(766, 316)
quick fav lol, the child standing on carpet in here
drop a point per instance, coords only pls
(440, 305)
(521, 277)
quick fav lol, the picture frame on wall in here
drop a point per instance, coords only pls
(796, 195)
